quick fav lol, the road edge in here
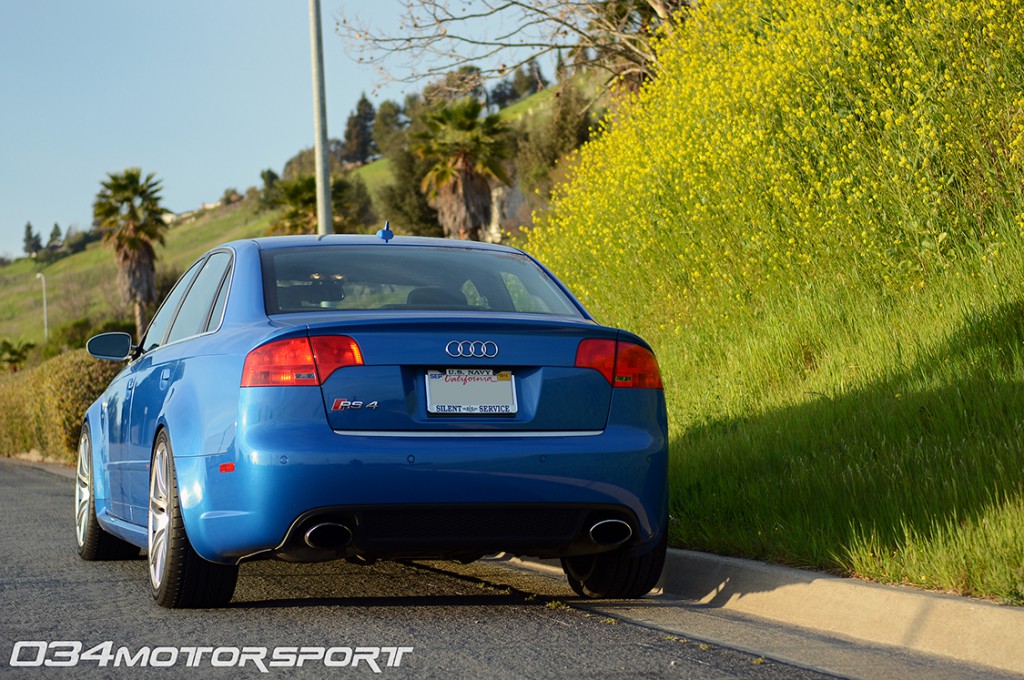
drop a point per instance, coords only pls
(951, 626)
(58, 469)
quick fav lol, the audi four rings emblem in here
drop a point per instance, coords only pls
(471, 349)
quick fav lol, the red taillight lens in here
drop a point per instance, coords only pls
(623, 364)
(283, 362)
(299, 361)
(636, 366)
(598, 355)
(332, 352)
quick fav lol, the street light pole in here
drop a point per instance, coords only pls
(323, 176)
(46, 318)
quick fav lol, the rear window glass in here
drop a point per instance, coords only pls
(325, 278)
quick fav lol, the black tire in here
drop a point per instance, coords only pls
(179, 577)
(615, 575)
(94, 544)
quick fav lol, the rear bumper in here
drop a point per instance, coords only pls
(456, 531)
(283, 476)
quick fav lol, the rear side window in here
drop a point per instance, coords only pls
(158, 326)
(195, 310)
(325, 278)
(218, 306)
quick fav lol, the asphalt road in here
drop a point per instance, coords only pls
(484, 620)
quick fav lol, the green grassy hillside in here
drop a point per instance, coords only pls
(376, 175)
(85, 284)
(816, 215)
(536, 104)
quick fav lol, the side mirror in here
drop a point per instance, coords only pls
(112, 346)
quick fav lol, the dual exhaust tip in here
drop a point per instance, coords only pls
(610, 532)
(335, 536)
(328, 536)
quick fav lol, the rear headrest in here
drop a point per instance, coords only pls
(435, 296)
(291, 298)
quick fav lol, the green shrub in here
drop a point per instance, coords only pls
(42, 408)
(74, 334)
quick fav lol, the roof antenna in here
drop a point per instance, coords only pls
(386, 234)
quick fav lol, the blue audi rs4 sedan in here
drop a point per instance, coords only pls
(358, 397)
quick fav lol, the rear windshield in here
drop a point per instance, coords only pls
(326, 278)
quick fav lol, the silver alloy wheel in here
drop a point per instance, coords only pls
(159, 518)
(82, 490)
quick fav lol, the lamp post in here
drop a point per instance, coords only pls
(323, 174)
(46, 318)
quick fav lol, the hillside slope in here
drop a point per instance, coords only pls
(816, 215)
(85, 284)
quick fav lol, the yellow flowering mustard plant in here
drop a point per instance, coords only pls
(800, 211)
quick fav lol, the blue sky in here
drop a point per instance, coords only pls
(205, 93)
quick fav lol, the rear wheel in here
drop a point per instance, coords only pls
(615, 575)
(93, 542)
(179, 577)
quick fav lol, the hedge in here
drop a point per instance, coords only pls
(42, 408)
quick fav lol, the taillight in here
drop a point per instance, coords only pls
(282, 362)
(598, 355)
(623, 364)
(636, 366)
(332, 352)
(297, 361)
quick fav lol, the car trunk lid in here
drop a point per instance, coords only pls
(465, 373)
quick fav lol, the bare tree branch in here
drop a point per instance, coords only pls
(436, 37)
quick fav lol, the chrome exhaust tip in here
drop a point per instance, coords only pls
(611, 532)
(328, 536)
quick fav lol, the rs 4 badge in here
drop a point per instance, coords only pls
(343, 404)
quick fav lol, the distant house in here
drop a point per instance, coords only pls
(189, 215)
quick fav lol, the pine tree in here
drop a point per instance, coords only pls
(32, 243)
(388, 129)
(359, 132)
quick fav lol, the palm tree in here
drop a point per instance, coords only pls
(128, 212)
(351, 206)
(14, 354)
(465, 152)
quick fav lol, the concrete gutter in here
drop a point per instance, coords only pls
(961, 628)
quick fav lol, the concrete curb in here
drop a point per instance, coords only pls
(951, 626)
(947, 625)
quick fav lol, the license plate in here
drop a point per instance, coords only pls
(471, 391)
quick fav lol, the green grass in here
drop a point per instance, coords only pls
(538, 103)
(186, 242)
(376, 176)
(868, 438)
(816, 216)
(85, 284)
